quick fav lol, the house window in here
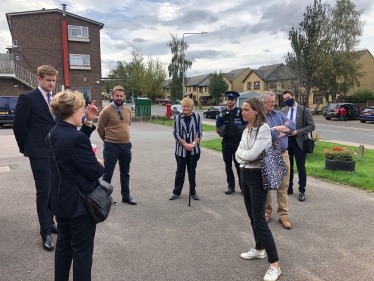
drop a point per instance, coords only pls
(249, 86)
(256, 85)
(79, 60)
(317, 98)
(78, 31)
(194, 88)
(86, 92)
(303, 99)
(200, 89)
(273, 84)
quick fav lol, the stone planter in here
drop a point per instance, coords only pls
(339, 166)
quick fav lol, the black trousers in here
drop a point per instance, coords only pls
(182, 164)
(40, 171)
(75, 242)
(229, 147)
(299, 155)
(255, 199)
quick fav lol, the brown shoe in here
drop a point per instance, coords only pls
(267, 217)
(285, 222)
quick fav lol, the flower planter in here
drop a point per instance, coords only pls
(339, 166)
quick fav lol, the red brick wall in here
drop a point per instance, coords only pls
(12, 87)
(39, 41)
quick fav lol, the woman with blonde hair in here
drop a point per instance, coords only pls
(187, 131)
(70, 155)
(256, 137)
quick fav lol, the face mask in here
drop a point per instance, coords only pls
(290, 102)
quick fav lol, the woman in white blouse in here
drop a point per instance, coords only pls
(256, 137)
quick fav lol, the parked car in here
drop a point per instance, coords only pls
(133, 107)
(7, 109)
(332, 110)
(367, 114)
(162, 101)
(213, 111)
(176, 109)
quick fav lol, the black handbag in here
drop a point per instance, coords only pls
(273, 169)
(308, 143)
(99, 201)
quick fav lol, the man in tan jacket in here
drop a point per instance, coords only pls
(114, 129)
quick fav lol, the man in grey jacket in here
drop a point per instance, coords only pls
(304, 122)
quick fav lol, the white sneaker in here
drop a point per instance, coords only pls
(272, 274)
(253, 254)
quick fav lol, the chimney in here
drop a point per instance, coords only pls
(64, 10)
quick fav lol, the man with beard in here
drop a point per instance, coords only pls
(114, 129)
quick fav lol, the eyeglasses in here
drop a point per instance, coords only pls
(120, 115)
(270, 102)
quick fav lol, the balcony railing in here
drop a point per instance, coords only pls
(7, 66)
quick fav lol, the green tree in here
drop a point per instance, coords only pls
(134, 73)
(323, 56)
(178, 67)
(154, 77)
(304, 60)
(217, 86)
(362, 96)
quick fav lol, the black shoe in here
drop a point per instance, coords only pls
(129, 201)
(229, 191)
(195, 197)
(48, 243)
(290, 191)
(54, 229)
(301, 196)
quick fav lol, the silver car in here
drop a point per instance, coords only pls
(176, 109)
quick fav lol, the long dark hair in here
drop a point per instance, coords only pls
(256, 104)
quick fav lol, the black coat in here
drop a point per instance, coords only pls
(76, 159)
(32, 122)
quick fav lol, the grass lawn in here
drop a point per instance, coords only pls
(170, 122)
(315, 165)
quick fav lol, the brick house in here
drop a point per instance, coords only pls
(68, 42)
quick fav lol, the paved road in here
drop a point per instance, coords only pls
(158, 239)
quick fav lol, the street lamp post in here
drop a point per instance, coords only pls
(183, 71)
(109, 65)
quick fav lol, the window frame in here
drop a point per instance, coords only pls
(83, 57)
(257, 85)
(249, 86)
(82, 31)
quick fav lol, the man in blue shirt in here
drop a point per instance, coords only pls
(281, 127)
(230, 126)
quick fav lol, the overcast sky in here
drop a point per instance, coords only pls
(241, 33)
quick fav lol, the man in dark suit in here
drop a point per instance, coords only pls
(32, 123)
(304, 125)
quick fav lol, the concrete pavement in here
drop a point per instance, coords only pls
(330, 239)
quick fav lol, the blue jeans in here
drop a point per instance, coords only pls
(255, 199)
(114, 152)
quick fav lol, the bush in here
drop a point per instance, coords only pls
(362, 96)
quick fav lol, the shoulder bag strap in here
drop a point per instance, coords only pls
(303, 124)
(58, 168)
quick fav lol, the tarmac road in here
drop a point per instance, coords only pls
(331, 236)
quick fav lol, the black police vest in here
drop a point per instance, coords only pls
(229, 129)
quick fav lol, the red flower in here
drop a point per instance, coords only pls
(336, 149)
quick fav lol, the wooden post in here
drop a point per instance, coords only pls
(361, 149)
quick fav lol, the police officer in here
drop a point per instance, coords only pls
(230, 126)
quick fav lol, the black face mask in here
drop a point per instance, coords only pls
(290, 102)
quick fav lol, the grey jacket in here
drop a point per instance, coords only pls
(251, 146)
(302, 132)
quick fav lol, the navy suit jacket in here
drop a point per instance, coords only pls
(76, 159)
(32, 122)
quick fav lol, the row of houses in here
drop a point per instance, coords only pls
(71, 44)
(275, 78)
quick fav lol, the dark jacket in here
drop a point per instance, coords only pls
(32, 122)
(76, 159)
